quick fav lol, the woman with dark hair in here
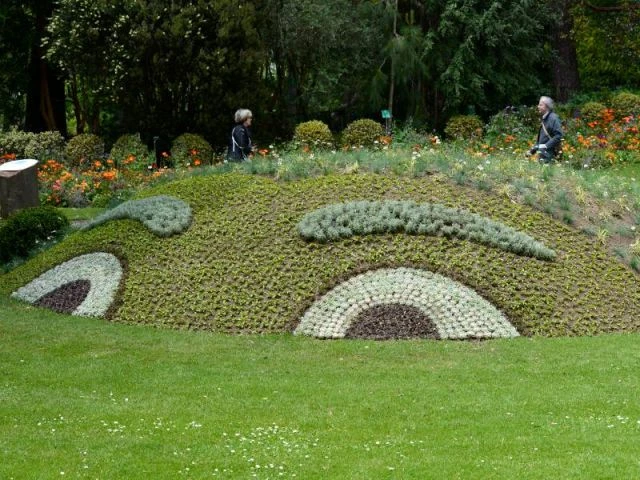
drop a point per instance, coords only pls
(240, 146)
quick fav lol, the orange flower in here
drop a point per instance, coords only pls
(608, 116)
(193, 152)
(196, 162)
(263, 151)
(109, 175)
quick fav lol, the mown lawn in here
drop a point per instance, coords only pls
(84, 398)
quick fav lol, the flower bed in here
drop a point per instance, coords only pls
(457, 311)
(162, 214)
(361, 218)
(103, 272)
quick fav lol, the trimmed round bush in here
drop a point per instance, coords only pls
(46, 146)
(313, 133)
(592, 111)
(22, 230)
(509, 122)
(129, 149)
(362, 133)
(16, 142)
(625, 104)
(190, 149)
(464, 127)
(83, 149)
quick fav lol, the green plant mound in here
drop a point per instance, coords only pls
(190, 149)
(464, 127)
(313, 133)
(25, 228)
(162, 214)
(625, 104)
(362, 218)
(42, 146)
(243, 267)
(362, 133)
(129, 149)
(84, 149)
(592, 111)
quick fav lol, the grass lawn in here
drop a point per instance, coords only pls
(84, 398)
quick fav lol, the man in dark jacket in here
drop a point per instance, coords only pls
(550, 134)
(240, 146)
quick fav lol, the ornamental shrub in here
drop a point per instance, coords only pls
(510, 121)
(24, 229)
(45, 146)
(464, 127)
(129, 149)
(191, 150)
(362, 133)
(313, 134)
(592, 111)
(15, 142)
(83, 149)
(625, 104)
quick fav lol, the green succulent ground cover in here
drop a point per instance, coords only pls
(84, 398)
(242, 266)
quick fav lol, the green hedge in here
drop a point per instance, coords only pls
(20, 233)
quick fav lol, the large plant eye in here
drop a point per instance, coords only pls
(84, 285)
(415, 302)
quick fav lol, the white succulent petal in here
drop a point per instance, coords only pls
(102, 270)
(457, 311)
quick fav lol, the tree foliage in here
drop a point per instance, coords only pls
(608, 42)
(169, 66)
(166, 67)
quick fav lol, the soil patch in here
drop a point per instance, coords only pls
(67, 298)
(384, 322)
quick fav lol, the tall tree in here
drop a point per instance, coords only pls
(607, 35)
(450, 56)
(14, 58)
(566, 78)
(164, 67)
(31, 90)
(321, 54)
(46, 109)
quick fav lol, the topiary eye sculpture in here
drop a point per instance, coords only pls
(163, 215)
(344, 220)
(85, 285)
(434, 306)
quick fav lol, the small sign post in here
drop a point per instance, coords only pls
(386, 115)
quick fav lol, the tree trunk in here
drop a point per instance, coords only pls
(565, 63)
(46, 109)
